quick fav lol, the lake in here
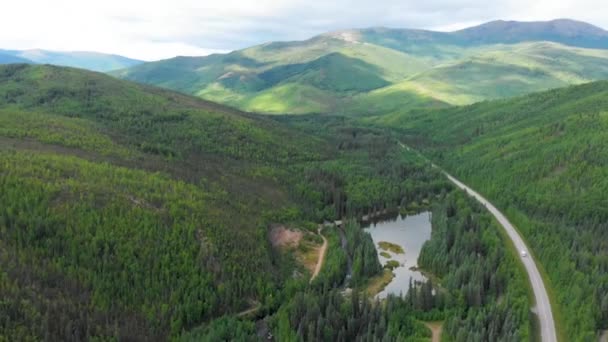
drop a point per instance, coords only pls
(409, 232)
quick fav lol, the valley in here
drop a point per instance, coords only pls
(374, 184)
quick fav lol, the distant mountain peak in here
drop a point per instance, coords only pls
(95, 61)
(564, 31)
(350, 36)
(563, 27)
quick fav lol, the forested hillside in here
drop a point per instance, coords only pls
(542, 158)
(380, 70)
(133, 213)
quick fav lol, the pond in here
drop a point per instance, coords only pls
(409, 233)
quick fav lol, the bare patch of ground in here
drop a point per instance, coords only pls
(306, 246)
(255, 306)
(321, 259)
(604, 336)
(436, 329)
(282, 237)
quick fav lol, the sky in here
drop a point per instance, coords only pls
(153, 29)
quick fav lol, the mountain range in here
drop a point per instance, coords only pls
(378, 70)
(78, 59)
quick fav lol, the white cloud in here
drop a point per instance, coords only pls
(156, 29)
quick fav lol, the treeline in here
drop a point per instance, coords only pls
(362, 251)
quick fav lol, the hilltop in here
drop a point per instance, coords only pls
(379, 70)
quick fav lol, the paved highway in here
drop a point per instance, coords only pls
(543, 306)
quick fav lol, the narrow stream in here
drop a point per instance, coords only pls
(410, 233)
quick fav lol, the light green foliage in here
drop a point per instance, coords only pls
(392, 264)
(155, 121)
(132, 240)
(392, 247)
(69, 132)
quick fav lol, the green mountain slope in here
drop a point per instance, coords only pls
(543, 159)
(132, 211)
(380, 70)
(511, 70)
(317, 75)
(78, 59)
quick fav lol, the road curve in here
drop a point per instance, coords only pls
(321, 256)
(543, 306)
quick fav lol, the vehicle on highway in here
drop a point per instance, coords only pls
(524, 254)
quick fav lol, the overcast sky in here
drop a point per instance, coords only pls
(153, 29)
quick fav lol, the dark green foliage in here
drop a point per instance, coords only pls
(130, 212)
(482, 293)
(328, 316)
(223, 329)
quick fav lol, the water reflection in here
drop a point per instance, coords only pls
(409, 232)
